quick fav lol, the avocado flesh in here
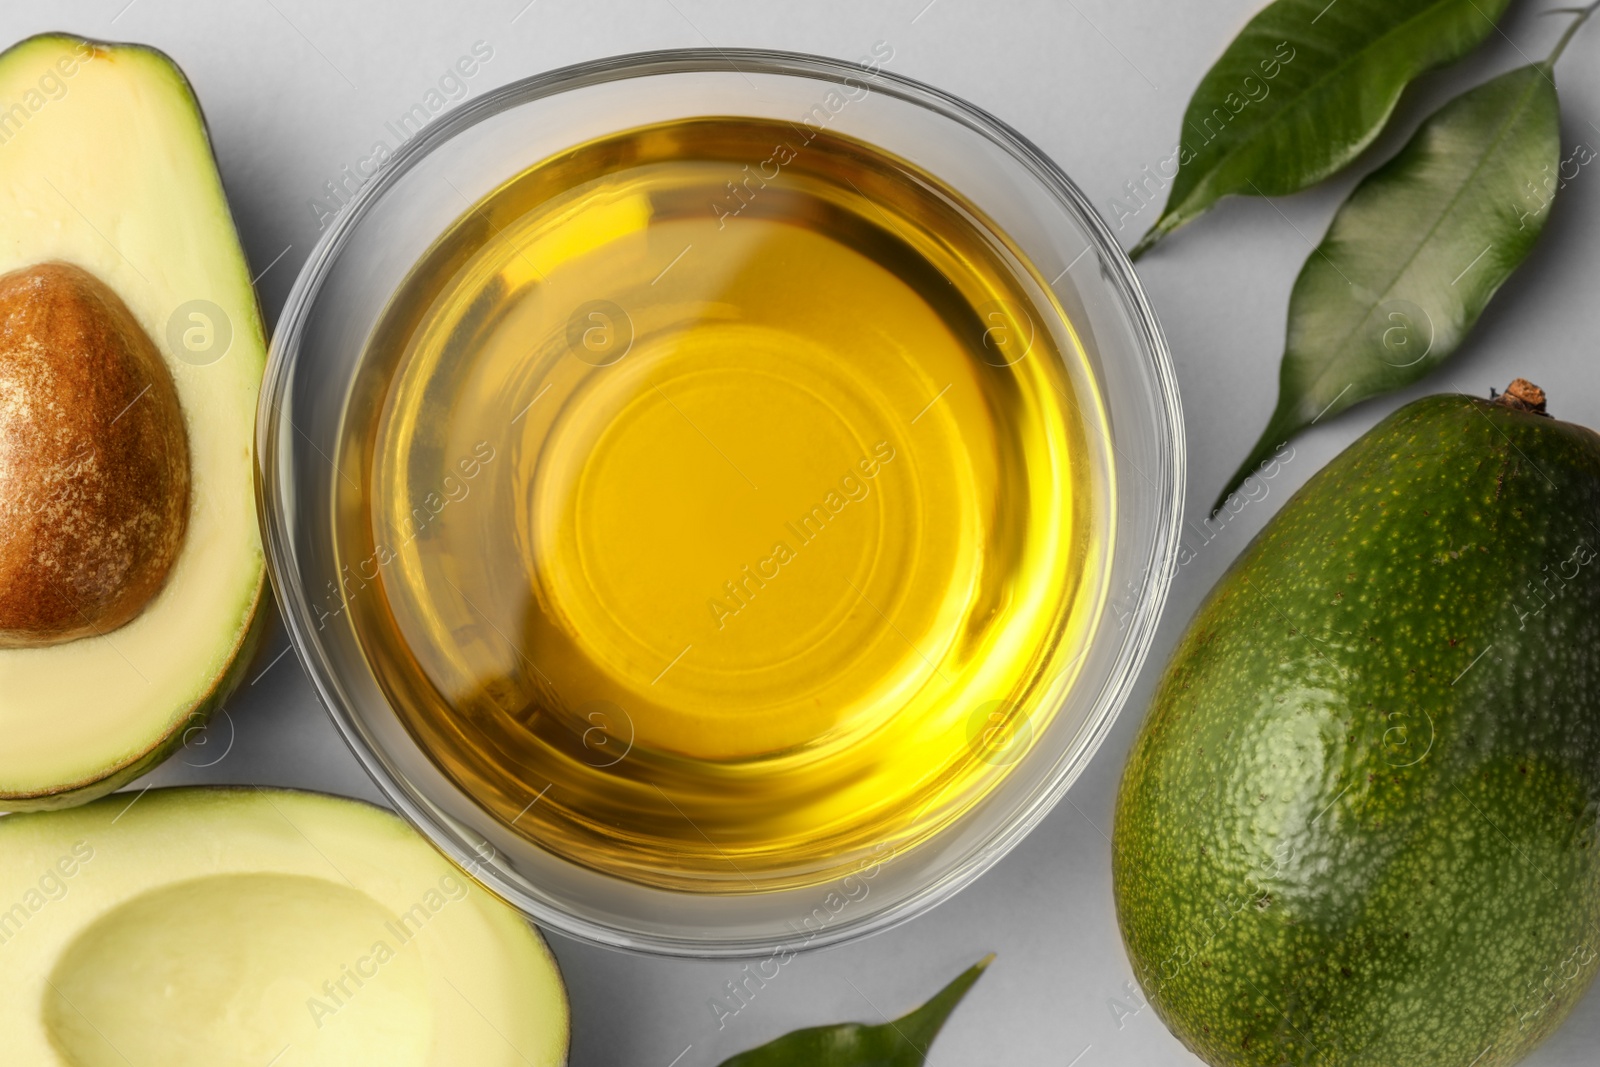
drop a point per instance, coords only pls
(1359, 823)
(199, 927)
(105, 164)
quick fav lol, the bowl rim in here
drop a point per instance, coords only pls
(1167, 477)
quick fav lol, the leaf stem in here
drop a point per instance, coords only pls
(1583, 14)
(1148, 241)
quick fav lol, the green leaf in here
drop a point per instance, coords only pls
(1415, 254)
(1302, 90)
(901, 1043)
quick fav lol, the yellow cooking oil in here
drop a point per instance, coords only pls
(731, 504)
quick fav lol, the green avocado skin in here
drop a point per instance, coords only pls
(1359, 823)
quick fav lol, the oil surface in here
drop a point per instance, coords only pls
(728, 504)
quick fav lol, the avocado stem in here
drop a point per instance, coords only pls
(1583, 14)
(1521, 395)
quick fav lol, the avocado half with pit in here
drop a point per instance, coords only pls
(200, 927)
(131, 352)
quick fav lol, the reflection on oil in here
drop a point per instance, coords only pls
(704, 534)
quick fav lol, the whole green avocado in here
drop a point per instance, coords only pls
(1359, 823)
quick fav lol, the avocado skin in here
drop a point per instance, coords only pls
(1359, 823)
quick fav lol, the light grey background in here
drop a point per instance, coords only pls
(296, 89)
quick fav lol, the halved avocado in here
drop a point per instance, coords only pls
(200, 927)
(131, 608)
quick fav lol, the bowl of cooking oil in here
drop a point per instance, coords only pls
(722, 497)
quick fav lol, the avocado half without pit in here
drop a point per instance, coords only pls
(131, 352)
(205, 927)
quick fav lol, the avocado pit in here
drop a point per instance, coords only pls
(94, 459)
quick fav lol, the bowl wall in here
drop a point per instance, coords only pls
(404, 206)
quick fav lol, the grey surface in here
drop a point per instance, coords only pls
(296, 89)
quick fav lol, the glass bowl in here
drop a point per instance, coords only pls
(402, 207)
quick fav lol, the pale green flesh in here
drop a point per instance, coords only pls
(218, 972)
(246, 927)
